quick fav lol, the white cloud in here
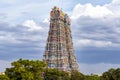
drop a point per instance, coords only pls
(8, 38)
(17, 11)
(32, 25)
(46, 21)
(115, 1)
(114, 6)
(96, 26)
(96, 68)
(91, 43)
(7, 2)
(91, 11)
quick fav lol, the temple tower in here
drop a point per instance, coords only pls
(59, 51)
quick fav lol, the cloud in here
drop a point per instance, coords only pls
(7, 2)
(97, 11)
(46, 21)
(115, 2)
(21, 41)
(91, 11)
(17, 11)
(114, 7)
(95, 31)
(2, 16)
(32, 25)
(96, 26)
(88, 42)
(18, 41)
(98, 68)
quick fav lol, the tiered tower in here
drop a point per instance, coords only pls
(59, 52)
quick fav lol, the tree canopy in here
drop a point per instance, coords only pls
(4, 77)
(55, 74)
(112, 74)
(37, 70)
(26, 70)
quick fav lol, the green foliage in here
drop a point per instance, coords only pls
(54, 74)
(4, 77)
(36, 70)
(116, 74)
(92, 77)
(112, 74)
(107, 75)
(75, 75)
(26, 70)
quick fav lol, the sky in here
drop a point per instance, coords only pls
(95, 26)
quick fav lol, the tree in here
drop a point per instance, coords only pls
(92, 77)
(55, 74)
(26, 70)
(75, 75)
(116, 74)
(4, 77)
(112, 74)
